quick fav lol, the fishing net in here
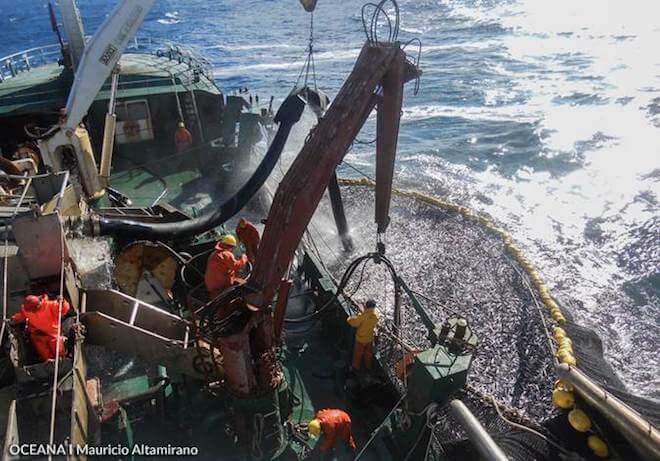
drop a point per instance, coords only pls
(456, 266)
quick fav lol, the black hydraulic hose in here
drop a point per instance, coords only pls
(350, 270)
(288, 115)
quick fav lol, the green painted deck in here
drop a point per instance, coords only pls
(316, 373)
(315, 369)
(46, 88)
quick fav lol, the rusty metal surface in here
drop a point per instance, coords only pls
(120, 336)
(126, 324)
(389, 116)
(280, 308)
(239, 375)
(40, 241)
(304, 184)
(80, 402)
(136, 313)
(142, 256)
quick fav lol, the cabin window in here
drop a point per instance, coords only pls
(133, 122)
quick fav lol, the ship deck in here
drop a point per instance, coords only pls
(316, 366)
(46, 87)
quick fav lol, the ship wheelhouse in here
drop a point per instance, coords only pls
(160, 85)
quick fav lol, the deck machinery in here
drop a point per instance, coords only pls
(196, 354)
(153, 365)
(227, 353)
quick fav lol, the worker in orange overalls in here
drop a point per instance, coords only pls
(365, 325)
(222, 267)
(41, 316)
(182, 138)
(332, 424)
(248, 235)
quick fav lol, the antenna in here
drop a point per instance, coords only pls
(55, 27)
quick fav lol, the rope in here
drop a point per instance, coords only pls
(258, 434)
(60, 300)
(421, 433)
(5, 290)
(377, 430)
(528, 429)
(546, 299)
(178, 101)
(538, 308)
(309, 68)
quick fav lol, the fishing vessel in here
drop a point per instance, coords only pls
(114, 206)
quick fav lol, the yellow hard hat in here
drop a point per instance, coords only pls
(228, 240)
(579, 420)
(314, 427)
(598, 446)
(562, 398)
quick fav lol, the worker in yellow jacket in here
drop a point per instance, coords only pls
(365, 325)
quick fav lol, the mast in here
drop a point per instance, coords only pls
(73, 29)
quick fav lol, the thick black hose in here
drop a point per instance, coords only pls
(288, 115)
(350, 270)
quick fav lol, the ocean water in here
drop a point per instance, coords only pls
(544, 115)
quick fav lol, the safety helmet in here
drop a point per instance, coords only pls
(228, 240)
(182, 125)
(31, 302)
(314, 427)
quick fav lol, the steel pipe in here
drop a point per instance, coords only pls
(642, 435)
(339, 214)
(109, 131)
(481, 439)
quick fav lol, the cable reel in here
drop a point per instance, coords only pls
(144, 256)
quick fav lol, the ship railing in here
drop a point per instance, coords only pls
(26, 60)
(183, 54)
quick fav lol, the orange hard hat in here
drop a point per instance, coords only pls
(31, 302)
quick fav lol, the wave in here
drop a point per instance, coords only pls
(262, 46)
(500, 113)
(170, 18)
(460, 46)
(324, 57)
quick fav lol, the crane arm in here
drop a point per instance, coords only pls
(300, 192)
(102, 54)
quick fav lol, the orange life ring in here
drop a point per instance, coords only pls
(131, 129)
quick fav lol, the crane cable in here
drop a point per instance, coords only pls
(309, 68)
(58, 344)
(5, 290)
